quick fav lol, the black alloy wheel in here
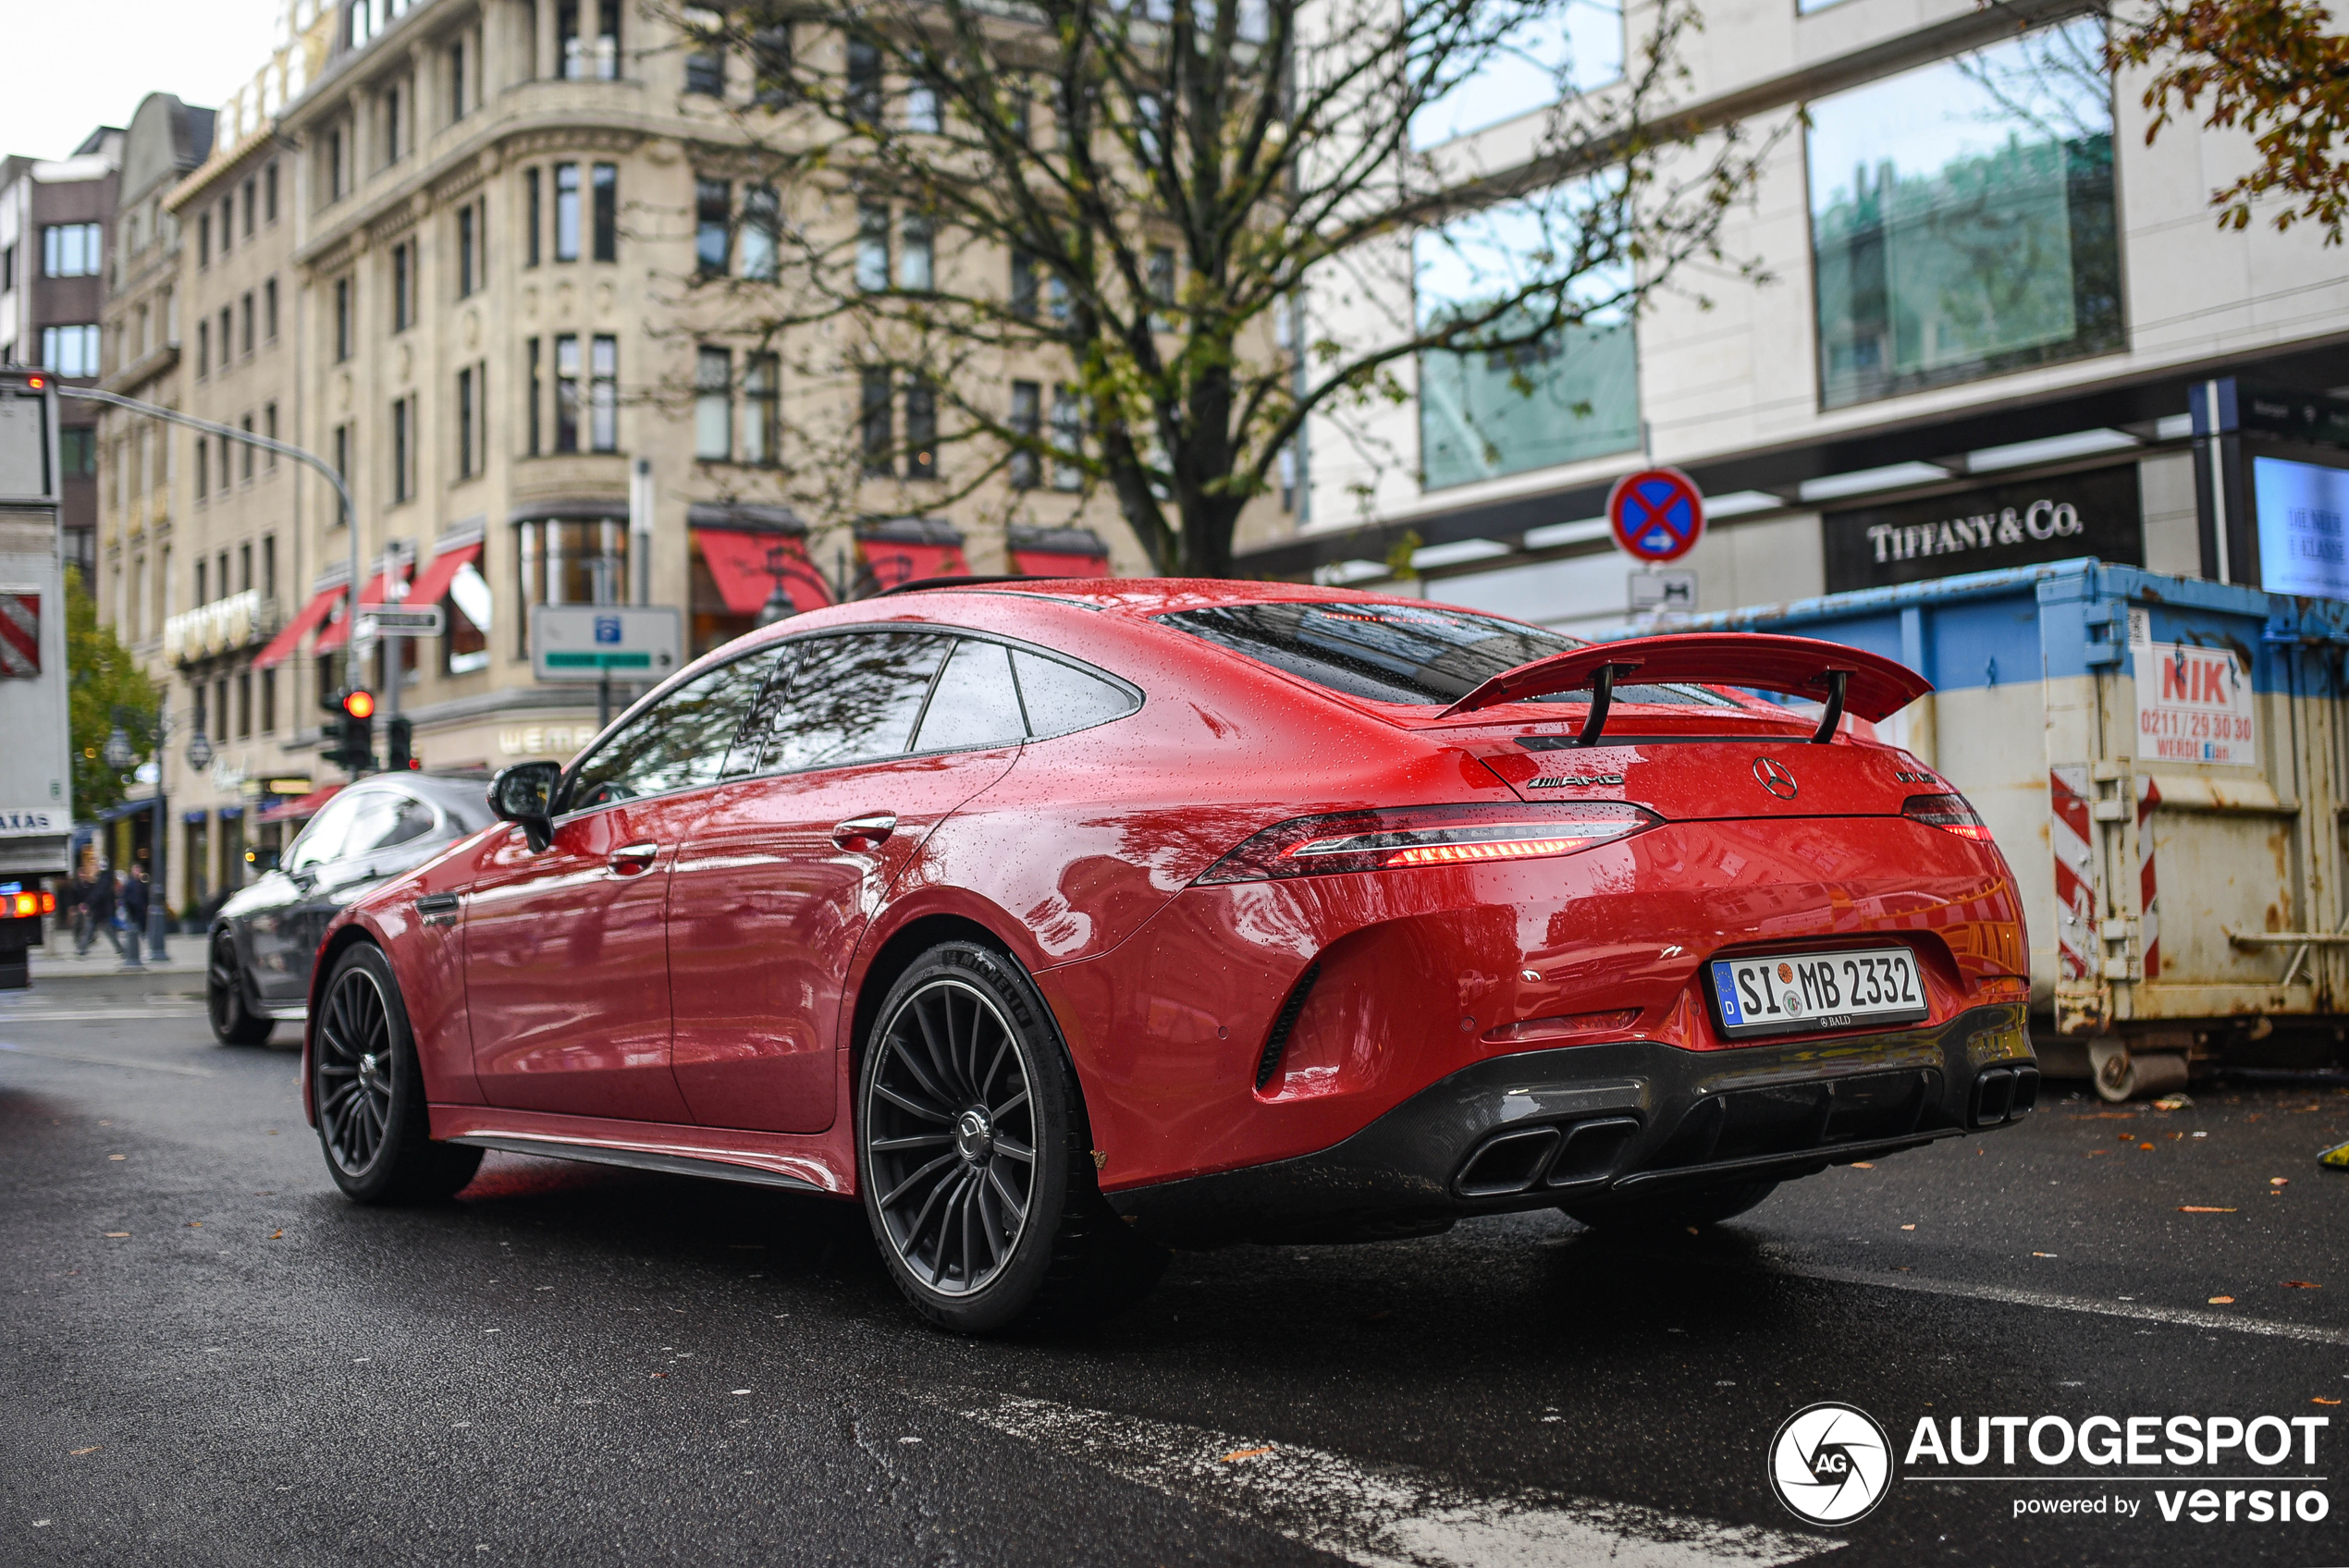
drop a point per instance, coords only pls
(972, 1152)
(369, 1093)
(233, 1021)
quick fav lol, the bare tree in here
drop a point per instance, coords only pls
(1136, 202)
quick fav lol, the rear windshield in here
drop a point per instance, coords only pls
(1395, 653)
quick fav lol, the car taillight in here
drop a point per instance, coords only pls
(1380, 841)
(1951, 813)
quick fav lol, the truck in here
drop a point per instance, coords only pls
(2164, 763)
(36, 771)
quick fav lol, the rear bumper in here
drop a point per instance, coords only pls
(1540, 1128)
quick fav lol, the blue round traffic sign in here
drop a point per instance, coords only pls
(1657, 513)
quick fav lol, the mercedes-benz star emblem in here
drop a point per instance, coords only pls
(1775, 778)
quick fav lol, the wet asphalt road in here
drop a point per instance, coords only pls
(573, 1366)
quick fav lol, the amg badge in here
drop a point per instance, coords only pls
(1571, 781)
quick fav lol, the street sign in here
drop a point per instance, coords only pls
(1662, 591)
(595, 642)
(423, 621)
(1657, 514)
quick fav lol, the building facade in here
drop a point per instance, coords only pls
(56, 222)
(489, 260)
(1990, 308)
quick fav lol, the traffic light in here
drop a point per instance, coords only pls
(399, 744)
(355, 748)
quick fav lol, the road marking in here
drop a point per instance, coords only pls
(185, 1010)
(2012, 1296)
(109, 1061)
(1382, 1516)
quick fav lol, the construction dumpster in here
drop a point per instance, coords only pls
(2161, 759)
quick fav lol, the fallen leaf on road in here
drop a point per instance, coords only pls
(1863, 1165)
(118, 1156)
(2279, 1180)
(1908, 1227)
(91, 1449)
(2145, 1145)
(2223, 1301)
(2043, 1254)
(1244, 1454)
(2093, 1153)
(117, 1235)
(2201, 1209)
(195, 1224)
(2172, 1102)
(2302, 1285)
(660, 1374)
(2321, 1399)
(276, 1236)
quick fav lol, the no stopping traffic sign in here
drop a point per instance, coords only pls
(1657, 514)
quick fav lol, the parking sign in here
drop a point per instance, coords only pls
(593, 643)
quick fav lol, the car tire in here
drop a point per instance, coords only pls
(974, 1158)
(226, 1000)
(1673, 1211)
(369, 1092)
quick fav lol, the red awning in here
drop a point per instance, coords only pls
(302, 808)
(335, 636)
(1056, 563)
(737, 561)
(281, 648)
(894, 562)
(432, 584)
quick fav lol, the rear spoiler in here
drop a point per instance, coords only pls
(1867, 684)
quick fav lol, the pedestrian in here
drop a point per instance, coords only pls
(97, 913)
(68, 925)
(133, 904)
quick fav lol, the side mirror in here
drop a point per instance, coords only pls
(524, 794)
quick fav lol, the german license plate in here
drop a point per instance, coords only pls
(1775, 993)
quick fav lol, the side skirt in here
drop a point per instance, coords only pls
(641, 1160)
(796, 1162)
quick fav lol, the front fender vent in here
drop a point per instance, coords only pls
(1277, 1041)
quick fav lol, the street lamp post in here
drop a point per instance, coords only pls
(350, 524)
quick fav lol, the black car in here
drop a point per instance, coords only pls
(265, 936)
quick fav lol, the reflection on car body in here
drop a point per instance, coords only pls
(1054, 922)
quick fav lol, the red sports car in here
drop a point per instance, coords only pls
(1054, 920)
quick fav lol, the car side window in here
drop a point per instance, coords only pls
(1060, 698)
(376, 824)
(678, 743)
(407, 820)
(849, 699)
(329, 831)
(975, 702)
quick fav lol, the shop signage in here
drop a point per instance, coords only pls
(2194, 705)
(2095, 513)
(2300, 416)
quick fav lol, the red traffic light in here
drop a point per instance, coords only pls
(36, 381)
(359, 705)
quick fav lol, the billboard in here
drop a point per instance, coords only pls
(2301, 507)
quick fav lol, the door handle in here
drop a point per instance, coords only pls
(865, 832)
(633, 859)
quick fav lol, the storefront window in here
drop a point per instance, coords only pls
(1570, 395)
(1961, 217)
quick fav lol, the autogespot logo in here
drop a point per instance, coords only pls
(1830, 1463)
